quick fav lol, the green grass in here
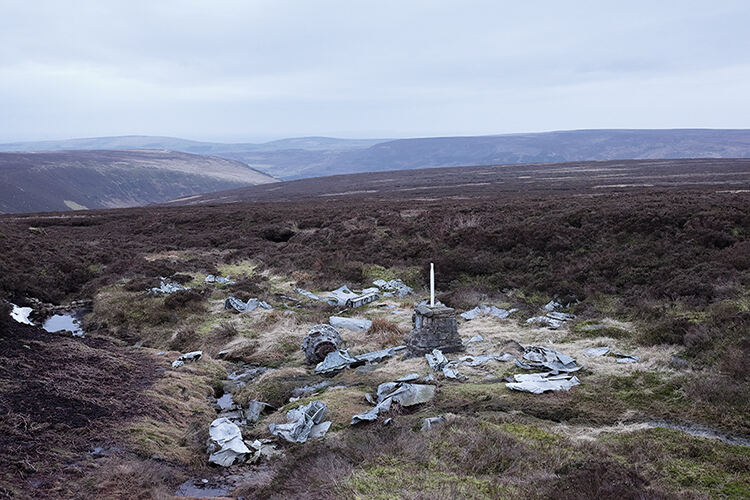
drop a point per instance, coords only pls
(680, 462)
(393, 478)
(243, 268)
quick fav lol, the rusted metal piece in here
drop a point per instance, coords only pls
(319, 342)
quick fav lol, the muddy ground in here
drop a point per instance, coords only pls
(62, 402)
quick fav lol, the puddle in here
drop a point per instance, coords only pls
(203, 488)
(21, 314)
(224, 483)
(702, 432)
(60, 322)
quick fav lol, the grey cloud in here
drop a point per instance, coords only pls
(250, 69)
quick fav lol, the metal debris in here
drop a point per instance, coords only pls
(543, 358)
(254, 409)
(264, 449)
(431, 422)
(451, 372)
(308, 294)
(626, 358)
(481, 359)
(377, 356)
(242, 307)
(475, 338)
(225, 443)
(484, 310)
(353, 324)
(560, 316)
(343, 296)
(552, 305)
(606, 351)
(309, 390)
(594, 352)
(220, 280)
(334, 361)
(412, 377)
(403, 393)
(537, 383)
(551, 323)
(551, 319)
(319, 342)
(190, 356)
(438, 362)
(167, 286)
(302, 423)
(394, 287)
(339, 296)
(338, 360)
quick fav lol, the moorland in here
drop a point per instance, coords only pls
(651, 257)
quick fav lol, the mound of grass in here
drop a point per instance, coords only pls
(683, 463)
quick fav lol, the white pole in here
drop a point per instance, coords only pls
(432, 284)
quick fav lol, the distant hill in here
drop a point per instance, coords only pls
(188, 146)
(298, 158)
(74, 180)
(587, 178)
(575, 145)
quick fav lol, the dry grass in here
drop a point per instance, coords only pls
(176, 429)
(387, 332)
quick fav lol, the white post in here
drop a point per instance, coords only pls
(432, 284)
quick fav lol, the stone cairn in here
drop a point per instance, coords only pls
(434, 328)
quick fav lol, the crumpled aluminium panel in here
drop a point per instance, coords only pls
(303, 422)
(540, 358)
(403, 393)
(537, 383)
(226, 446)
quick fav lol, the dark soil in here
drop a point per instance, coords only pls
(61, 397)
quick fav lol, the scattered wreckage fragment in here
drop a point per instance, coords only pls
(225, 443)
(167, 286)
(484, 310)
(320, 341)
(245, 307)
(595, 352)
(606, 351)
(438, 362)
(543, 358)
(353, 324)
(393, 287)
(341, 359)
(303, 422)
(626, 358)
(309, 295)
(432, 422)
(552, 319)
(403, 393)
(481, 359)
(343, 296)
(537, 383)
(187, 357)
(226, 446)
(219, 280)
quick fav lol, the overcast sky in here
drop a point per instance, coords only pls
(266, 69)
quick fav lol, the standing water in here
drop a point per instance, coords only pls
(60, 322)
